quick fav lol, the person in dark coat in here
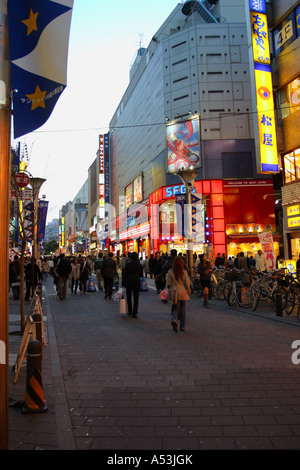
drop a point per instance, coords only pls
(85, 271)
(108, 271)
(132, 281)
(14, 277)
(37, 276)
(204, 269)
(63, 270)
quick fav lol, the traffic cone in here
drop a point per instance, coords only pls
(34, 396)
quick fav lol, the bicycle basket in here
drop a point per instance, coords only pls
(233, 276)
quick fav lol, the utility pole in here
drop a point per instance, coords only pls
(188, 176)
(5, 119)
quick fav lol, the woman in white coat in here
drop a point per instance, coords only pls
(179, 283)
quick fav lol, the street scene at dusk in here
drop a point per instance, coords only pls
(150, 199)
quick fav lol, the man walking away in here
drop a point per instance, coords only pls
(63, 270)
(97, 268)
(132, 281)
(108, 271)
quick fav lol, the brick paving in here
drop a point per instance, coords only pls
(116, 383)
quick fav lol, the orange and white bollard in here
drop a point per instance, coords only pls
(34, 397)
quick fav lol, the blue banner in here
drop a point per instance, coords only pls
(38, 40)
(42, 217)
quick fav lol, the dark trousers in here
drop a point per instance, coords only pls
(29, 292)
(108, 286)
(132, 292)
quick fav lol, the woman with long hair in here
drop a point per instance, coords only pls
(179, 283)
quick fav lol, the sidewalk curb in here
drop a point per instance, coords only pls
(63, 421)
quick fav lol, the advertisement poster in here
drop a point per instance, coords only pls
(183, 146)
(267, 246)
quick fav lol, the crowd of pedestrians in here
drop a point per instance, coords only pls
(169, 272)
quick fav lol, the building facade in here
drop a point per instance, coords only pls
(195, 72)
(285, 33)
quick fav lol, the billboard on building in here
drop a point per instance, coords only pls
(138, 189)
(262, 88)
(183, 145)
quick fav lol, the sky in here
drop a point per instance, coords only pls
(104, 39)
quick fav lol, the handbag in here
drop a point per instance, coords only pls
(122, 306)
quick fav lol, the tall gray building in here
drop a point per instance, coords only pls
(196, 67)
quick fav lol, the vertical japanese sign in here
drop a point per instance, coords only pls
(106, 167)
(101, 178)
(260, 62)
(267, 246)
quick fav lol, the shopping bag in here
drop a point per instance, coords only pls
(143, 286)
(165, 295)
(118, 295)
(122, 306)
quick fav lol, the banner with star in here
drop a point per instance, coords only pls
(38, 40)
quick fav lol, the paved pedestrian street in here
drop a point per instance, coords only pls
(230, 381)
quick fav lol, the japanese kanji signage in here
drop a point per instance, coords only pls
(266, 148)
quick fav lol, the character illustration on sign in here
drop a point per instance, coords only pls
(183, 145)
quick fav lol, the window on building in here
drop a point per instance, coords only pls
(291, 164)
(289, 98)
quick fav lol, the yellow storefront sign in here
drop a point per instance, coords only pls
(260, 38)
(293, 210)
(262, 89)
(266, 120)
(293, 222)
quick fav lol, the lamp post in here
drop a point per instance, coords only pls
(188, 176)
(36, 184)
(5, 119)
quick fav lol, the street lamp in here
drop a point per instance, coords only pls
(36, 184)
(188, 176)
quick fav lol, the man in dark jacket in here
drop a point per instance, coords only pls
(108, 271)
(132, 281)
(63, 270)
(37, 276)
(14, 277)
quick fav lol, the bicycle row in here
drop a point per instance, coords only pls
(247, 290)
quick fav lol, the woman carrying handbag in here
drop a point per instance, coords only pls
(179, 283)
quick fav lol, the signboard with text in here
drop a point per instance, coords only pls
(260, 63)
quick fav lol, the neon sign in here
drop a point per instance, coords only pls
(266, 151)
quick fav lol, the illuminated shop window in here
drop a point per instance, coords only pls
(289, 98)
(291, 162)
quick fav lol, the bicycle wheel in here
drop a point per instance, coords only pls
(214, 290)
(227, 290)
(220, 291)
(256, 300)
(199, 291)
(290, 300)
(231, 297)
(245, 296)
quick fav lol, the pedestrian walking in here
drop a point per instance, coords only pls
(85, 272)
(204, 269)
(179, 283)
(14, 277)
(109, 272)
(31, 284)
(63, 269)
(260, 262)
(75, 276)
(132, 281)
(97, 267)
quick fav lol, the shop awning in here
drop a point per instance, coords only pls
(253, 237)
